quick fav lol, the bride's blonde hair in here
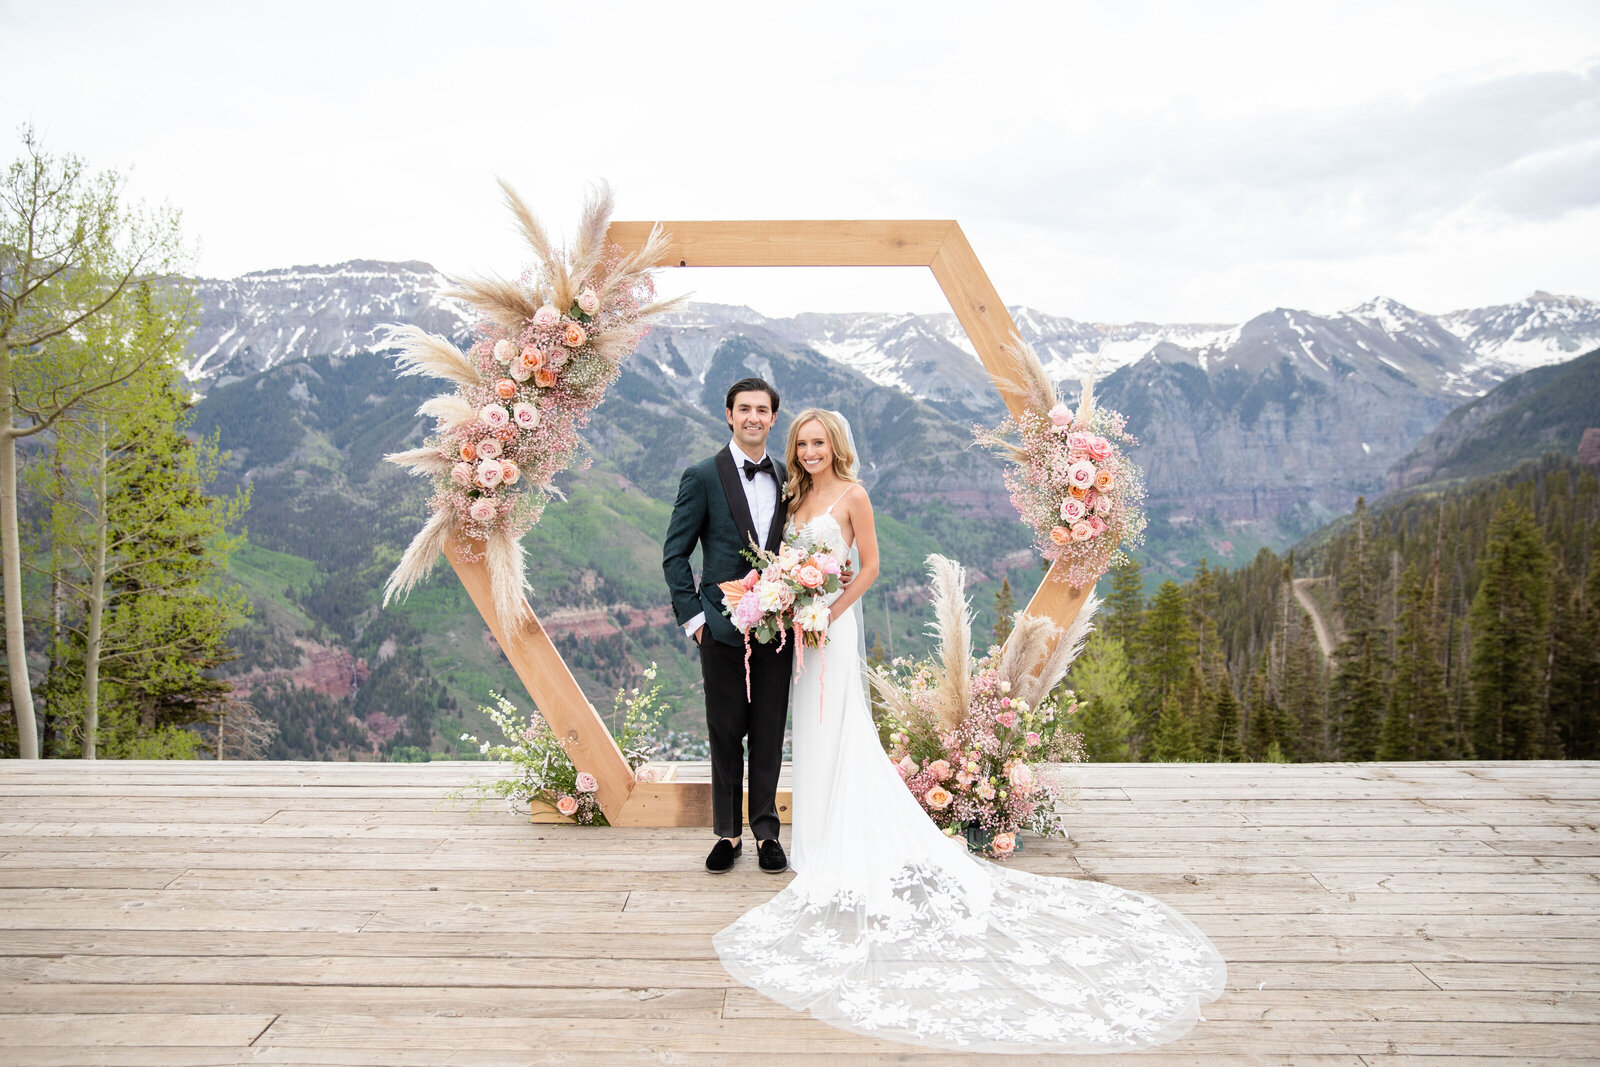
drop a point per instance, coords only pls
(798, 486)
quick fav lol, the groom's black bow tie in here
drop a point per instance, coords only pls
(750, 469)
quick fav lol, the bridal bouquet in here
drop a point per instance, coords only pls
(973, 741)
(1071, 478)
(785, 591)
(543, 354)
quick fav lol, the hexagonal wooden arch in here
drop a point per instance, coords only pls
(936, 244)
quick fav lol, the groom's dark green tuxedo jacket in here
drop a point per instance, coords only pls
(711, 511)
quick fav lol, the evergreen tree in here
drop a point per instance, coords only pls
(1203, 604)
(1224, 746)
(1510, 618)
(1575, 663)
(1415, 727)
(1123, 611)
(1305, 696)
(1102, 678)
(1162, 652)
(1263, 724)
(1173, 740)
(1005, 606)
(1359, 684)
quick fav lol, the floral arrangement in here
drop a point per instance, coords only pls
(784, 591)
(545, 774)
(1071, 478)
(544, 351)
(985, 778)
(972, 739)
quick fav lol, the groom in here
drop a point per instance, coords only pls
(724, 503)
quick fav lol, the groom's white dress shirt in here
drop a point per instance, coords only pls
(761, 493)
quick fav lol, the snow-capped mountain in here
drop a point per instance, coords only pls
(257, 320)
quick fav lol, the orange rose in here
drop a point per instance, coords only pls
(532, 358)
(507, 434)
(544, 377)
(511, 472)
(505, 388)
(1078, 492)
(1060, 535)
(1103, 480)
(468, 452)
(573, 336)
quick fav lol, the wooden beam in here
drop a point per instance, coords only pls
(976, 304)
(1058, 600)
(793, 242)
(555, 692)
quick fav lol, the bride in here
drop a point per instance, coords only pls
(892, 929)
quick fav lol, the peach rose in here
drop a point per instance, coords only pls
(546, 316)
(810, 577)
(648, 774)
(1099, 449)
(1104, 480)
(533, 357)
(1060, 535)
(573, 336)
(1082, 531)
(482, 510)
(940, 769)
(510, 473)
(567, 806)
(939, 798)
(544, 377)
(489, 448)
(1004, 844)
(505, 388)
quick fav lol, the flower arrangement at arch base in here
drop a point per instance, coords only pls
(545, 774)
(974, 742)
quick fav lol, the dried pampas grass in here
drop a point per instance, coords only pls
(508, 578)
(423, 353)
(952, 615)
(420, 556)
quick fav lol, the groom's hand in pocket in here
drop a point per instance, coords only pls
(700, 633)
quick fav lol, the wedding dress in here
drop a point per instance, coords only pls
(891, 929)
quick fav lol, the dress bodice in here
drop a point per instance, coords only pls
(823, 530)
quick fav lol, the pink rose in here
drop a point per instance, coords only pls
(1072, 509)
(966, 778)
(504, 351)
(461, 474)
(648, 774)
(494, 416)
(826, 562)
(586, 782)
(1008, 719)
(985, 791)
(773, 573)
(525, 415)
(786, 596)
(1078, 442)
(520, 370)
(573, 336)
(1082, 531)
(940, 769)
(510, 473)
(567, 806)
(489, 448)
(1097, 524)
(1021, 776)
(588, 302)
(810, 577)
(1099, 448)
(1032, 739)
(1061, 415)
(490, 473)
(1081, 475)
(939, 798)
(1004, 844)
(546, 316)
(907, 766)
(482, 510)
(752, 579)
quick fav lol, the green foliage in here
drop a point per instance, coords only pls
(1102, 676)
(1510, 640)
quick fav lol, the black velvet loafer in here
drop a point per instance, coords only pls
(723, 853)
(770, 855)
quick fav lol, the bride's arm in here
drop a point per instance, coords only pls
(860, 511)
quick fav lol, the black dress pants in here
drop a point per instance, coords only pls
(731, 718)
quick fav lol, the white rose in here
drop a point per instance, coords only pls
(588, 302)
(504, 351)
(519, 370)
(490, 473)
(525, 415)
(482, 511)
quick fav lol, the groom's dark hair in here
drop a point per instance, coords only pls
(751, 385)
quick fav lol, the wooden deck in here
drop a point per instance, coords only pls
(202, 913)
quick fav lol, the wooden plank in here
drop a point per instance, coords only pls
(556, 694)
(146, 1028)
(685, 804)
(792, 242)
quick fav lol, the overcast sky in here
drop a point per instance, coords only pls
(1110, 162)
